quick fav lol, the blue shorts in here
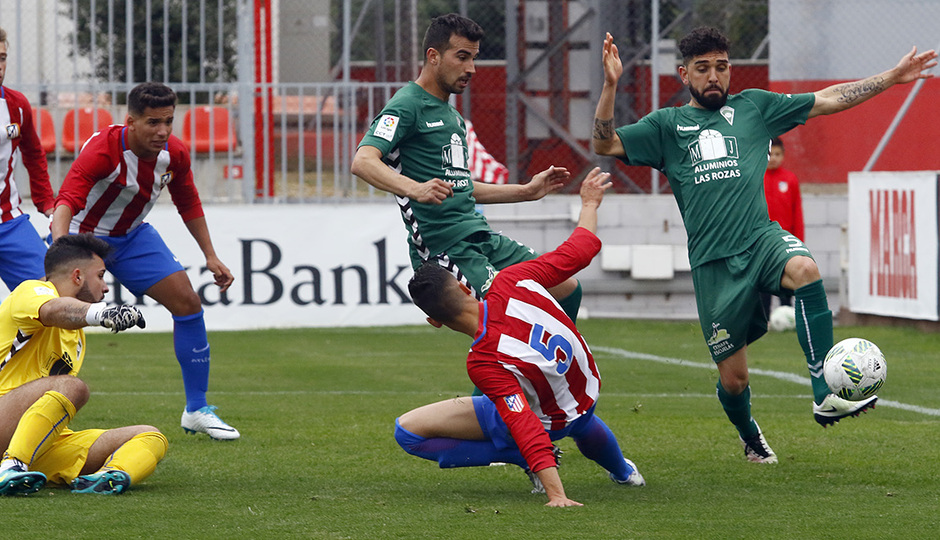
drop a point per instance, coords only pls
(140, 259)
(22, 252)
(495, 430)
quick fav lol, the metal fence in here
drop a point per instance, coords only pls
(275, 94)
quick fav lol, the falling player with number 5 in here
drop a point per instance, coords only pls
(539, 380)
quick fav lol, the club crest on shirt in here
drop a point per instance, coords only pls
(165, 179)
(728, 114)
(13, 131)
(515, 403)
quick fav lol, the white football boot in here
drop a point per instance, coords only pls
(834, 408)
(206, 421)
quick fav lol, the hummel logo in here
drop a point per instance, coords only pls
(687, 128)
(439, 123)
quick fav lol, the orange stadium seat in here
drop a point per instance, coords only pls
(84, 118)
(45, 128)
(207, 128)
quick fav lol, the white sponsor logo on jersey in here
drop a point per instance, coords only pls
(385, 127)
(696, 127)
(439, 123)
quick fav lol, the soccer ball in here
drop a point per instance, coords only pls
(782, 318)
(855, 369)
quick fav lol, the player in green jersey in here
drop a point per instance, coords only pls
(714, 153)
(416, 148)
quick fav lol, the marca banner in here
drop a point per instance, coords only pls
(893, 244)
(294, 266)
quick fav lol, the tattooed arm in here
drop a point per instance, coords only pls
(840, 97)
(64, 312)
(605, 141)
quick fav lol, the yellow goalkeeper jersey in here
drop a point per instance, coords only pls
(29, 350)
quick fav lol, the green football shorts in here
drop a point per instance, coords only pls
(475, 260)
(727, 291)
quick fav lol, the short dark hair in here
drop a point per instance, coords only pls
(776, 141)
(73, 247)
(150, 94)
(431, 289)
(702, 40)
(438, 34)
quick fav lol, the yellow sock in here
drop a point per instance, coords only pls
(40, 425)
(139, 456)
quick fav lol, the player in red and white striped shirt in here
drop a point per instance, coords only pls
(21, 248)
(109, 190)
(537, 373)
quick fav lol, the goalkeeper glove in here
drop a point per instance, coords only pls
(115, 318)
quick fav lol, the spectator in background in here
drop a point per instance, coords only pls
(782, 190)
(21, 248)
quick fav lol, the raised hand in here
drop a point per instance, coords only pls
(613, 67)
(594, 186)
(912, 66)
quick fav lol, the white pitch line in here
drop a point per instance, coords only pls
(782, 375)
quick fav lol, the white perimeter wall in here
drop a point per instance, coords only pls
(346, 265)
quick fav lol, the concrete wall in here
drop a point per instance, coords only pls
(653, 219)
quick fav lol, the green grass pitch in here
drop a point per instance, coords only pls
(317, 458)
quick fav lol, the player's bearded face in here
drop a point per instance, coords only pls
(712, 97)
(708, 77)
(93, 287)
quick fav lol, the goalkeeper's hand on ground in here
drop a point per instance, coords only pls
(115, 318)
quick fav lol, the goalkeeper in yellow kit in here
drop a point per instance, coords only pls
(42, 347)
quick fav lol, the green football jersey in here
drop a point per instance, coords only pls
(422, 137)
(715, 163)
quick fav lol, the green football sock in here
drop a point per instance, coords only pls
(738, 409)
(814, 331)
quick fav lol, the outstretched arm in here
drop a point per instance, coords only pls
(548, 181)
(840, 97)
(605, 141)
(71, 313)
(367, 164)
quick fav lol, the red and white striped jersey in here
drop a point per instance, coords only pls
(524, 331)
(483, 166)
(110, 190)
(20, 141)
